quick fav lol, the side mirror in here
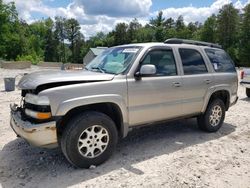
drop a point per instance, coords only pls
(147, 70)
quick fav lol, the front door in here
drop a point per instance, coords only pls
(157, 97)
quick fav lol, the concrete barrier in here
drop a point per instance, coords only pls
(15, 64)
(1, 61)
(69, 66)
(59, 65)
(49, 64)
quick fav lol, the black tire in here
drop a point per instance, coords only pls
(203, 120)
(248, 92)
(80, 124)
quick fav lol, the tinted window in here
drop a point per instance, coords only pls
(192, 61)
(163, 61)
(220, 60)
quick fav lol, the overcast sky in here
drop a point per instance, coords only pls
(103, 15)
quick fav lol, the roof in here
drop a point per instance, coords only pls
(152, 44)
(98, 50)
(192, 42)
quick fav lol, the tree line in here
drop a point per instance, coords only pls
(60, 39)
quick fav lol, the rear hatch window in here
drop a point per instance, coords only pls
(220, 60)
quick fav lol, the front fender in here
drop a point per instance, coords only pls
(66, 106)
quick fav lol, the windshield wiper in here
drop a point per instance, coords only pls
(98, 68)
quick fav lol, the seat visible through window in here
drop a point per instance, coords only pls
(163, 60)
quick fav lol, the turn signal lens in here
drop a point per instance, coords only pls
(38, 115)
(41, 115)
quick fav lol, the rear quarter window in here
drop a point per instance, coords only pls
(220, 60)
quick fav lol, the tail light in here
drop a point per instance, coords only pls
(242, 74)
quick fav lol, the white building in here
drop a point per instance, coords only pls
(93, 52)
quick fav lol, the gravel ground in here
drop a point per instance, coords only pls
(176, 154)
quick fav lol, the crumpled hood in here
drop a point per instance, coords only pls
(31, 81)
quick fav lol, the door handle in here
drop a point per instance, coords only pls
(176, 84)
(208, 81)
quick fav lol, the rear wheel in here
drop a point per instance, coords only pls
(214, 116)
(89, 139)
(248, 92)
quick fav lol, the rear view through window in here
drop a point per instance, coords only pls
(220, 60)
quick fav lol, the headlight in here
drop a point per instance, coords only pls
(38, 115)
(37, 100)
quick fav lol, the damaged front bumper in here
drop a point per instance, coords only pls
(41, 135)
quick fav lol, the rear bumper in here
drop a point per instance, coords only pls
(41, 135)
(245, 84)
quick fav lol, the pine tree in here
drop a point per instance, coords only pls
(208, 32)
(244, 47)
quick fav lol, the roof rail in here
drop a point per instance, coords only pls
(193, 42)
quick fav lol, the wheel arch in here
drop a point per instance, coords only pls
(222, 94)
(109, 108)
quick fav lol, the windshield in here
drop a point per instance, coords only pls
(113, 60)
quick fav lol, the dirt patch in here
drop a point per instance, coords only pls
(176, 154)
(15, 64)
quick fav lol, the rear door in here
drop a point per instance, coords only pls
(196, 80)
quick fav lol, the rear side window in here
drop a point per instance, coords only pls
(220, 60)
(192, 61)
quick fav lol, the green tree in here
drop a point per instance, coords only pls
(36, 38)
(60, 37)
(79, 45)
(50, 51)
(133, 28)
(171, 33)
(158, 25)
(145, 34)
(182, 31)
(169, 23)
(158, 21)
(227, 21)
(179, 24)
(244, 49)
(61, 40)
(120, 34)
(110, 39)
(97, 40)
(208, 32)
(10, 45)
(72, 31)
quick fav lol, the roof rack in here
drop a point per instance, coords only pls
(193, 42)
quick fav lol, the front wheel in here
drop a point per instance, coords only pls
(89, 139)
(214, 116)
(248, 92)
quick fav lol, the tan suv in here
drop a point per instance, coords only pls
(85, 112)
